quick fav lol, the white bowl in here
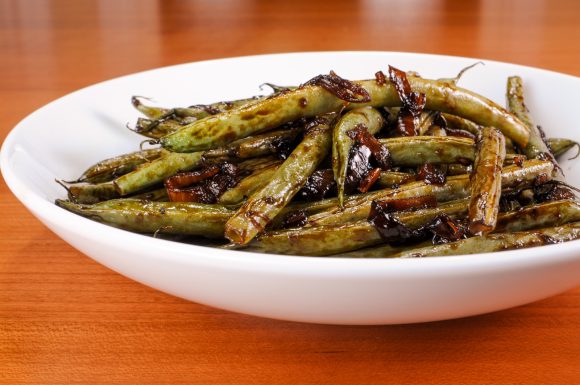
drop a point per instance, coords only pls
(69, 134)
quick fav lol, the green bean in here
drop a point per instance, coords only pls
(417, 150)
(393, 179)
(498, 242)
(459, 123)
(153, 217)
(312, 100)
(199, 111)
(445, 97)
(458, 169)
(425, 121)
(266, 203)
(537, 147)
(148, 111)
(156, 171)
(108, 169)
(90, 193)
(157, 195)
(560, 146)
(342, 144)
(156, 129)
(358, 207)
(253, 146)
(248, 185)
(334, 239)
(540, 215)
(486, 182)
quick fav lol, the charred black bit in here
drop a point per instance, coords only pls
(381, 78)
(412, 102)
(431, 174)
(439, 120)
(506, 205)
(383, 217)
(511, 200)
(205, 186)
(294, 219)
(341, 88)
(406, 204)
(519, 161)
(318, 186)
(541, 179)
(445, 229)
(369, 180)
(359, 134)
(389, 227)
(547, 240)
(359, 165)
(553, 191)
(283, 146)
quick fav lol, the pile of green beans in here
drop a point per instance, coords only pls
(484, 171)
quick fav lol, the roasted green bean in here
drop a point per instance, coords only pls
(371, 119)
(109, 169)
(266, 203)
(417, 150)
(254, 146)
(357, 207)
(157, 171)
(153, 217)
(312, 100)
(498, 242)
(247, 186)
(560, 146)
(90, 193)
(334, 239)
(486, 182)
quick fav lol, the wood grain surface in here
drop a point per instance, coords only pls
(66, 320)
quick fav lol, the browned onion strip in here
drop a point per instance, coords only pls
(319, 185)
(445, 229)
(404, 204)
(381, 78)
(369, 180)
(185, 179)
(380, 152)
(341, 88)
(413, 102)
(390, 228)
(208, 184)
(431, 174)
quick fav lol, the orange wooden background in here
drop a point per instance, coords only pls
(65, 319)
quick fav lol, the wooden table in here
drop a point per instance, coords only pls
(65, 319)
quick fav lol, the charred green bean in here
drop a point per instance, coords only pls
(266, 203)
(342, 143)
(109, 169)
(486, 182)
(498, 242)
(153, 217)
(313, 100)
